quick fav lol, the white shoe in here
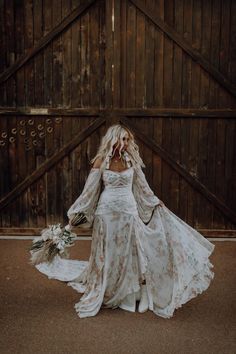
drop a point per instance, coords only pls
(143, 305)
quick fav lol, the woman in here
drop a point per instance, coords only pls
(140, 250)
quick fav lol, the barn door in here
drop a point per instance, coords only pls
(159, 67)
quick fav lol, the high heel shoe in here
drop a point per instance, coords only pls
(143, 304)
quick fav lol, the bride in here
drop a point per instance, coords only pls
(140, 250)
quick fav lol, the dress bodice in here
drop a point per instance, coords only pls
(117, 194)
(115, 179)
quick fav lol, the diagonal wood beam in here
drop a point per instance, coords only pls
(178, 39)
(46, 39)
(193, 181)
(65, 150)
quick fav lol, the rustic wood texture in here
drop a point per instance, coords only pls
(71, 68)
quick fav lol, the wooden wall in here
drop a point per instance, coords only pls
(71, 68)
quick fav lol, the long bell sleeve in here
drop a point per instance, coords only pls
(87, 201)
(145, 198)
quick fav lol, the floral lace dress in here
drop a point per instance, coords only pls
(133, 239)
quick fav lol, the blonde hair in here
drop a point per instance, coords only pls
(114, 136)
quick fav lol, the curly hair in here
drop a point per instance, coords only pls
(114, 137)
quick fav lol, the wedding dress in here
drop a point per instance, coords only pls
(133, 239)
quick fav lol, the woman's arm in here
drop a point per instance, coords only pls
(87, 201)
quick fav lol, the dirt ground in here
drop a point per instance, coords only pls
(37, 314)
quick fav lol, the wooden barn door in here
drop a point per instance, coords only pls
(71, 68)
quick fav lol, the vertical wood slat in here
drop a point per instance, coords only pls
(10, 51)
(75, 59)
(192, 168)
(168, 55)
(29, 41)
(41, 183)
(53, 137)
(187, 61)
(66, 124)
(102, 51)
(220, 188)
(210, 172)
(75, 155)
(13, 215)
(204, 100)
(31, 156)
(48, 91)
(22, 171)
(38, 60)
(108, 55)
(57, 60)
(5, 171)
(232, 65)
(19, 35)
(38, 69)
(66, 168)
(178, 55)
(183, 186)
(215, 55)
(47, 80)
(176, 101)
(159, 62)
(130, 55)
(94, 56)
(186, 99)
(66, 57)
(167, 92)
(195, 101)
(175, 178)
(202, 204)
(224, 97)
(58, 136)
(140, 93)
(85, 60)
(214, 99)
(118, 20)
(158, 100)
(3, 48)
(196, 42)
(205, 50)
(123, 66)
(230, 173)
(149, 54)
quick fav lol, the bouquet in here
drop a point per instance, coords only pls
(55, 240)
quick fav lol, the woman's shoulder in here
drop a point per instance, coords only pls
(97, 163)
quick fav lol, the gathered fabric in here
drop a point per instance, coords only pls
(133, 239)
